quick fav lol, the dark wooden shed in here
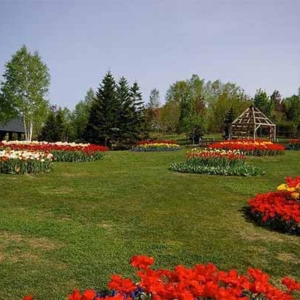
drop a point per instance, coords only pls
(12, 126)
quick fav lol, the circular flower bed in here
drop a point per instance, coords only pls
(21, 162)
(147, 146)
(199, 282)
(251, 147)
(62, 152)
(293, 144)
(278, 210)
(216, 162)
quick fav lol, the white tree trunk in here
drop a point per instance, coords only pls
(25, 128)
(28, 128)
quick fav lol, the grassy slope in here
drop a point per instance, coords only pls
(82, 222)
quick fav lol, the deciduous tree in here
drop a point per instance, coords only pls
(26, 83)
(80, 116)
(152, 110)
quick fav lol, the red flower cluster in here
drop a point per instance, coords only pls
(279, 210)
(293, 182)
(210, 154)
(199, 282)
(141, 261)
(48, 147)
(172, 142)
(250, 147)
(294, 141)
(276, 204)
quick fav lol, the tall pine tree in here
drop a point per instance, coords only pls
(54, 129)
(48, 132)
(140, 119)
(126, 133)
(102, 121)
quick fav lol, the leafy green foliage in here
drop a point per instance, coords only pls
(80, 116)
(292, 105)
(194, 166)
(215, 162)
(293, 145)
(189, 96)
(31, 166)
(26, 82)
(151, 111)
(76, 156)
(225, 96)
(262, 102)
(168, 117)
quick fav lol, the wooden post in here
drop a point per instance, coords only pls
(10, 136)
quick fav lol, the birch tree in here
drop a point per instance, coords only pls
(23, 90)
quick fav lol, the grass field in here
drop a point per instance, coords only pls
(82, 222)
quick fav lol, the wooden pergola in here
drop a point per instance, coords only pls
(247, 124)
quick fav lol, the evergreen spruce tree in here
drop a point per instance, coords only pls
(48, 132)
(126, 131)
(102, 121)
(229, 118)
(54, 129)
(140, 127)
(60, 128)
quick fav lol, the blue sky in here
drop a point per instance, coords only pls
(254, 43)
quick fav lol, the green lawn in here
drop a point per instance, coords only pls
(82, 222)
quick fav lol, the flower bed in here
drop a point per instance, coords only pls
(251, 147)
(278, 210)
(66, 152)
(216, 162)
(200, 282)
(147, 146)
(293, 144)
(21, 162)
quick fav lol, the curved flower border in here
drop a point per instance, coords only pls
(216, 162)
(251, 147)
(156, 146)
(294, 144)
(21, 162)
(278, 210)
(200, 282)
(62, 152)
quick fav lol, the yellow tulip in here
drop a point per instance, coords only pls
(295, 195)
(282, 187)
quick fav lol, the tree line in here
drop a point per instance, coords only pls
(196, 107)
(113, 115)
(116, 115)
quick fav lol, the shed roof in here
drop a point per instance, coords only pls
(14, 125)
